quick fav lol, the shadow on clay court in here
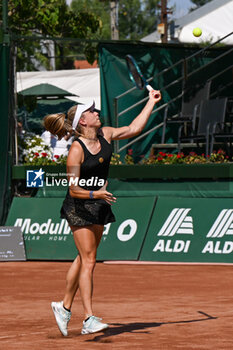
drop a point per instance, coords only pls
(119, 328)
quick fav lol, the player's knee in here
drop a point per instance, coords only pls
(89, 262)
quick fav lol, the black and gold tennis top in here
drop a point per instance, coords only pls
(95, 167)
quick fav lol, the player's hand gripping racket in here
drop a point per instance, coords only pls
(136, 76)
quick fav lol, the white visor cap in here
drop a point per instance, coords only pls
(80, 109)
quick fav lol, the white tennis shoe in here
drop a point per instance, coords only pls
(92, 325)
(62, 316)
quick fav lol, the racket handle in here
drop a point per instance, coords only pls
(149, 88)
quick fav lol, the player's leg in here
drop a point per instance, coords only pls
(87, 240)
(61, 309)
(73, 276)
(72, 283)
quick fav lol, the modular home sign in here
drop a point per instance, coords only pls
(47, 236)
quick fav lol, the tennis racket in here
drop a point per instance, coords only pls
(136, 76)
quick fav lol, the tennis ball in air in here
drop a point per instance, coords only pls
(197, 32)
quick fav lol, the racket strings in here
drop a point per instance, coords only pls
(135, 75)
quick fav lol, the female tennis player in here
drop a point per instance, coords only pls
(87, 206)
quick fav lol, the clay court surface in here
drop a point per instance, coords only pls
(147, 307)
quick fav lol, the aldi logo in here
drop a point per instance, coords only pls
(177, 223)
(35, 178)
(223, 226)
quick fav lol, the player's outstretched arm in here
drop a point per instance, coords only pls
(137, 125)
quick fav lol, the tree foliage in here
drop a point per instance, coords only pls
(151, 16)
(52, 18)
(84, 19)
(101, 10)
(136, 18)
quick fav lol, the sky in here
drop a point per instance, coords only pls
(182, 6)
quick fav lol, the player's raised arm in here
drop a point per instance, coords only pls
(138, 124)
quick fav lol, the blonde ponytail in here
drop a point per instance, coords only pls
(61, 126)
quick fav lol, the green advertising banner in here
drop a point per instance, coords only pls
(123, 239)
(47, 237)
(190, 230)
(173, 230)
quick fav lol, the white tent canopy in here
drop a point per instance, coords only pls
(85, 83)
(215, 19)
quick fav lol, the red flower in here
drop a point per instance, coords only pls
(36, 154)
(44, 154)
(56, 156)
(162, 154)
(170, 155)
(160, 158)
(130, 152)
(178, 156)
